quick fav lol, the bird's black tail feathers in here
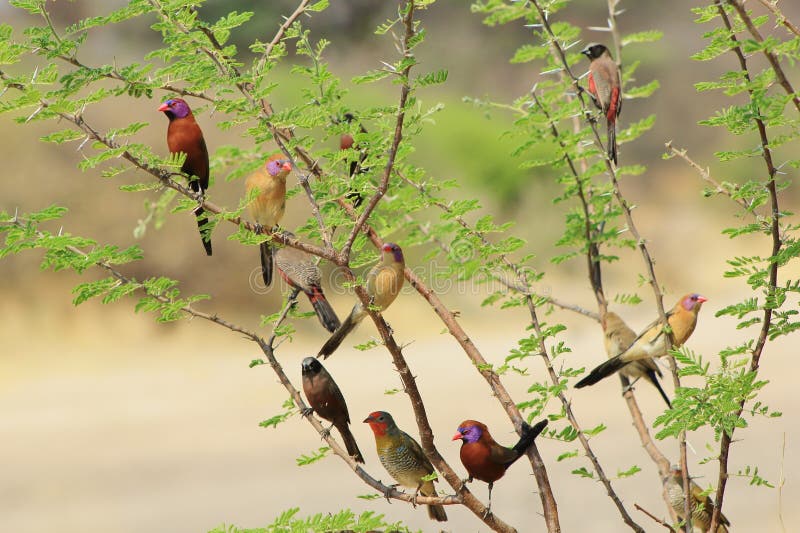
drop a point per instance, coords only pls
(341, 332)
(266, 262)
(325, 313)
(529, 434)
(602, 372)
(350, 444)
(651, 375)
(205, 231)
(612, 141)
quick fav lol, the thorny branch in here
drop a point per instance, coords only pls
(455, 329)
(773, 61)
(268, 351)
(727, 439)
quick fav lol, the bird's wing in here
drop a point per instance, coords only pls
(417, 451)
(502, 455)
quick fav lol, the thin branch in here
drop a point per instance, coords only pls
(269, 352)
(288, 21)
(773, 60)
(408, 22)
(727, 439)
(654, 517)
(524, 289)
(592, 248)
(779, 16)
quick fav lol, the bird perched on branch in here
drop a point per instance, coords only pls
(298, 270)
(268, 203)
(606, 90)
(346, 142)
(653, 342)
(384, 282)
(618, 336)
(185, 136)
(702, 505)
(327, 401)
(404, 459)
(484, 458)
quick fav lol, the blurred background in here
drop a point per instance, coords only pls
(111, 422)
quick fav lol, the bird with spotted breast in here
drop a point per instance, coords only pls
(266, 188)
(487, 460)
(702, 505)
(325, 399)
(653, 341)
(300, 272)
(185, 136)
(384, 282)
(618, 336)
(605, 89)
(404, 459)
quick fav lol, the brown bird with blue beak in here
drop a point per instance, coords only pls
(185, 136)
(653, 342)
(267, 189)
(605, 88)
(487, 460)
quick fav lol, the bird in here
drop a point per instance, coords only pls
(606, 90)
(268, 203)
(185, 136)
(484, 458)
(702, 505)
(325, 399)
(346, 142)
(653, 341)
(618, 336)
(404, 459)
(299, 271)
(384, 282)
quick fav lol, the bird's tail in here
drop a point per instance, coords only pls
(435, 512)
(602, 372)
(341, 332)
(612, 141)
(350, 443)
(266, 262)
(325, 313)
(651, 376)
(205, 231)
(529, 434)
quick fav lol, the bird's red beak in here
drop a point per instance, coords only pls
(287, 166)
(701, 299)
(458, 436)
(163, 107)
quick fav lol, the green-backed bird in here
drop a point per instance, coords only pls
(404, 459)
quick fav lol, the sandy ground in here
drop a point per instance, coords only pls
(127, 426)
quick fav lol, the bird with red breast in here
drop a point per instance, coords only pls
(605, 89)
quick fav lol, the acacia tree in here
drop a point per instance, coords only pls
(45, 79)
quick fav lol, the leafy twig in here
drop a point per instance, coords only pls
(727, 439)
